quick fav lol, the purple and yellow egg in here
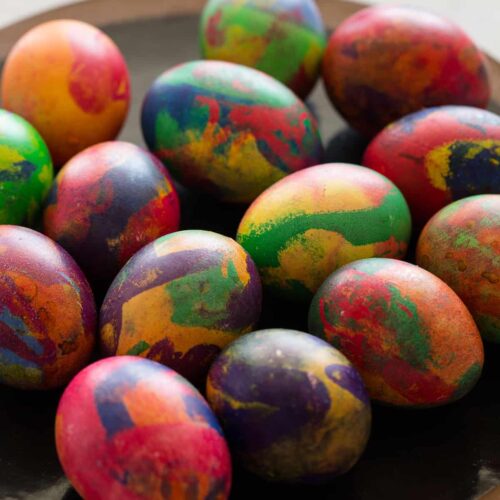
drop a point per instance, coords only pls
(461, 245)
(25, 170)
(47, 314)
(438, 155)
(107, 203)
(228, 130)
(387, 61)
(406, 331)
(70, 81)
(312, 222)
(130, 428)
(283, 38)
(180, 300)
(292, 407)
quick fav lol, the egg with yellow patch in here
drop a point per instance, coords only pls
(439, 155)
(293, 408)
(227, 129)
(180, 300)
(312, 222)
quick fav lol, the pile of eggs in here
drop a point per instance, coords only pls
(188, 379)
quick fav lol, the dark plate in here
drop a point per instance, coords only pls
(446, 453)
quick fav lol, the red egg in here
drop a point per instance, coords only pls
(387, 61)
(439, 155)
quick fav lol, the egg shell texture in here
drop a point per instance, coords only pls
(130, 428)
(409, 335)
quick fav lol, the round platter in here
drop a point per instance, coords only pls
(446, 453)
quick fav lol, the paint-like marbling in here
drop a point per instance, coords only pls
(461, 245)
(406, 331)
(180, 300)
(387, 61)
(283, 38)
(312, 222)
(70, 81)
(131, 428)
(439, 155)
(293, 408)
(26, 171)
(226, 129)
(107, 203)
(47, 312)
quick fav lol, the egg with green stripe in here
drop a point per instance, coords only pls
(25, 170)
(312, 222)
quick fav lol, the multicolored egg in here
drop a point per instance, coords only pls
(307, 225)
(439, 155)
(107, 203)
(47, 313)
(293, 408)
(25, 170)
(131, 428)
(407, 332)
(385, 62)
(226, 129)
(283, 38)
(180, 300)
(461, 245)
(70, 81)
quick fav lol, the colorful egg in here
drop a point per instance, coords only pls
(439, 155)
(180, 300)
(407, 332)
(226, 129)
(131, 428)
(385, 62)
(70, 81)
(47, 317)
(461, 245)
(283, 38)
(314, 221)
(25, 170)
(293, 408)
(107, 203)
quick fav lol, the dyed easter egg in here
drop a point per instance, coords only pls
(25, 170)
(283, 38)
(180, 300)
(293, 408)
(385, 62)
(131, 428)
(461, 245)
(407, 332)
(108, 202)
(70, 81)
(314, 221)
(228, 130)
(47, 316)
(439, 155)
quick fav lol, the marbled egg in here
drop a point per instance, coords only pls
(293, 408)
(439, 155)
(180, 300)
(387, 61)
(107, 203)
(461, 245)
(283, 38)
(25, 170)
(47, 314)
(407, 332)
(226, 129)
(131, 428)
(70, 81)
(307, 225)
